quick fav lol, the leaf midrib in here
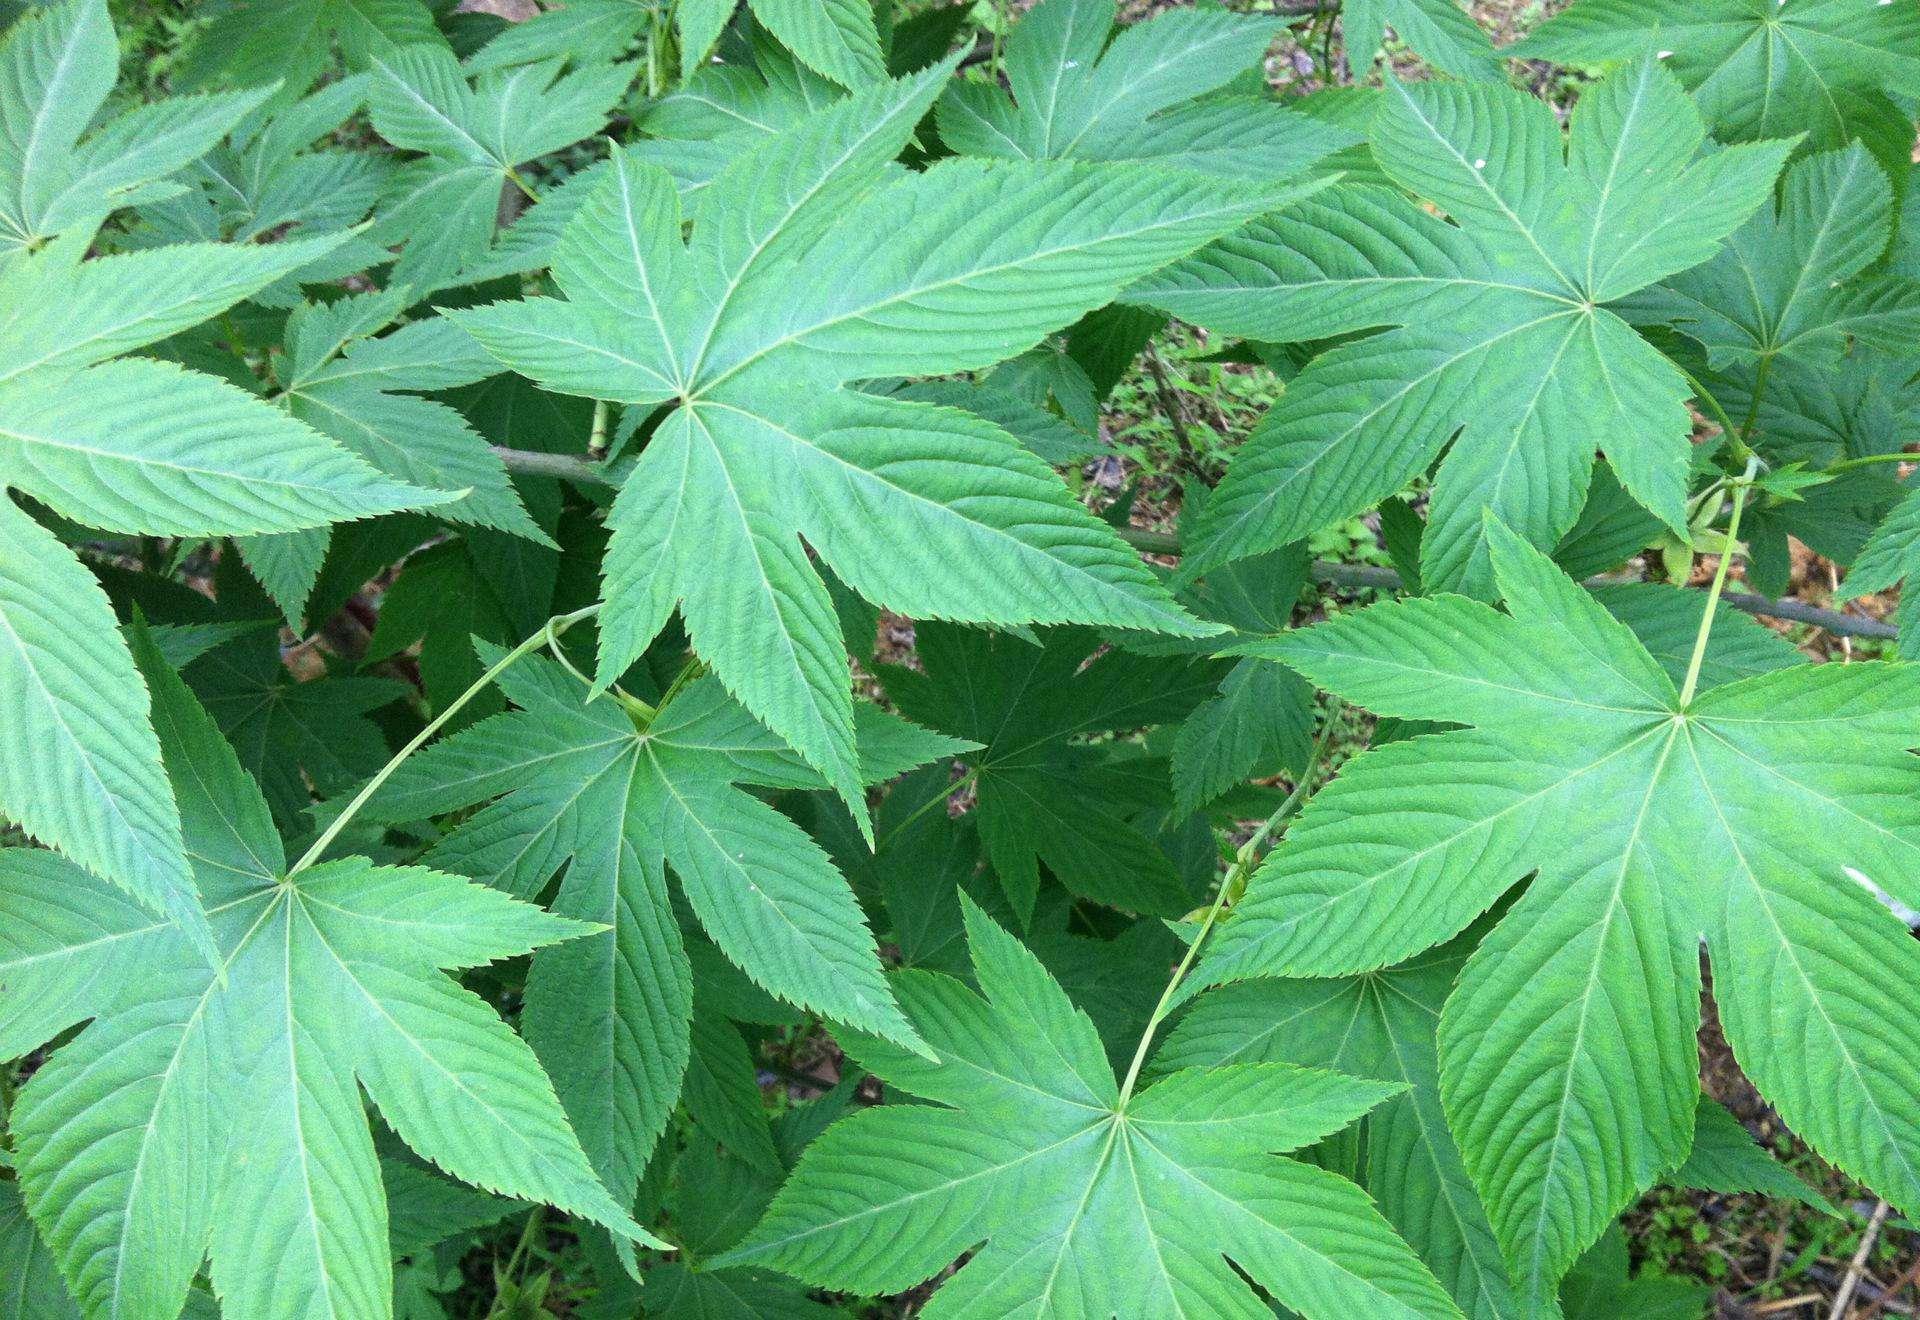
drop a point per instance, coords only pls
(1539, 1280)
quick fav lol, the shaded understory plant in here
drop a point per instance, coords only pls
(592, 720)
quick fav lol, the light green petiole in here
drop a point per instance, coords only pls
(550, 634)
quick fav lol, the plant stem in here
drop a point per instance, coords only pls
(1176, 415)
(659, 31)
(572, 467)
(972, 774)
(597, 437)
(1236, 878)
(1740, 489)
(692, 669)
(551, 632)
(1736, 436)
(1868, 460)
(1759, 392)
(561, 657)
(1307, 42)
(536, 1221)
(513, 176)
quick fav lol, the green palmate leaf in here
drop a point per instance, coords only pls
(1820, 414)
(443, 604)
(294, 737)
(927, 859)
(577, 782)
(675, 1292)
(219, 1114)
(725, 110)
(1891, 555)
(811, 266)
(30, 1287)
(274, 178)
(1384, 1025)
(1794, 286)
(1262, 719)
(273, 175)
(585, 32)
(1044, 795)
(57, 67)
(95, 445)
(1750, 816)
(1503, 338)
(424, 1208)
(180, 644)
(1137, 101)
(1760, 68)
(351, 386)
(1666, 619)
(1051, 437)
(473, 136)
(510, 411)
(698, 24)
(836, 39)
(1840, 210)
(80, 767)
(722, 1095)
(528, 243)
(916, 40)
(1440, 30)
(1804, 324)
(1048, 376)
(1087, 1203)
(1601, 1287)
(1381, 1025)
(142, 446)
(812, 368)
(30, 1283)
(1726, 1159)
(294, 40)
(717, 1198)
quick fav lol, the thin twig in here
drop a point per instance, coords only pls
(1361, 576)
(1844, 1298)
(1908, 1276)
(1833, 584)
(1175, 410)
(1795, 611)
